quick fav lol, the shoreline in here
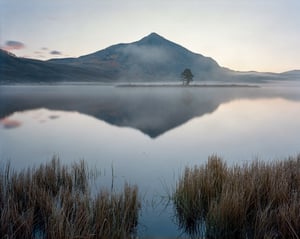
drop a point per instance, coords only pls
(191, 86)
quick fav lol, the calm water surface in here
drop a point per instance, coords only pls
(148, 135)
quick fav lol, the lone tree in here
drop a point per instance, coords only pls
(186, 76)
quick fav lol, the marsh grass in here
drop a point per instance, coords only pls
(255, 200)
(54, 201)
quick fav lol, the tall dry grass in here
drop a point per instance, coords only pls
(256, 200)
(54, 201)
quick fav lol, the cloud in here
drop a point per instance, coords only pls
(13, 45)
(44, 48)
(54, 52)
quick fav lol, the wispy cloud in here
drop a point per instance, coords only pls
(54, 52)
(39, 54)
(13, 45)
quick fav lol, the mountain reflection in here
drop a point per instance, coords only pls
(153, 111)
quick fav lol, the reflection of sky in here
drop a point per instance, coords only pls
(9, 123)
(243, 129)
(239, 130)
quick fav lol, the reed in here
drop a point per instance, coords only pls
(255, 200)
(54, 201)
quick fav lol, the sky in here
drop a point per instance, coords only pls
(260, 35)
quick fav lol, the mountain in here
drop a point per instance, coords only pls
(153, 58)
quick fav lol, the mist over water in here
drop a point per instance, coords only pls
(148, 135)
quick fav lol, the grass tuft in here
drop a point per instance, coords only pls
(256, 200)
(54, 201)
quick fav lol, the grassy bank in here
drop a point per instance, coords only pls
(54, 201)
(256, 200)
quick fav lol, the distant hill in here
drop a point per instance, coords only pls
(153, 58)
(19, 70)
(291, 75)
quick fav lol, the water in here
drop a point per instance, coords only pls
(147, 135)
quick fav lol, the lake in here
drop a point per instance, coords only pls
(148, 135)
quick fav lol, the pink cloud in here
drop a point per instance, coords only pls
(13, 45)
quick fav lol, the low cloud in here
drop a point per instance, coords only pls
(54, 52)
(148, 53)
(13, 45)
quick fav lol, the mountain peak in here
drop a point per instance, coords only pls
(152, 39)
(154, 35)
